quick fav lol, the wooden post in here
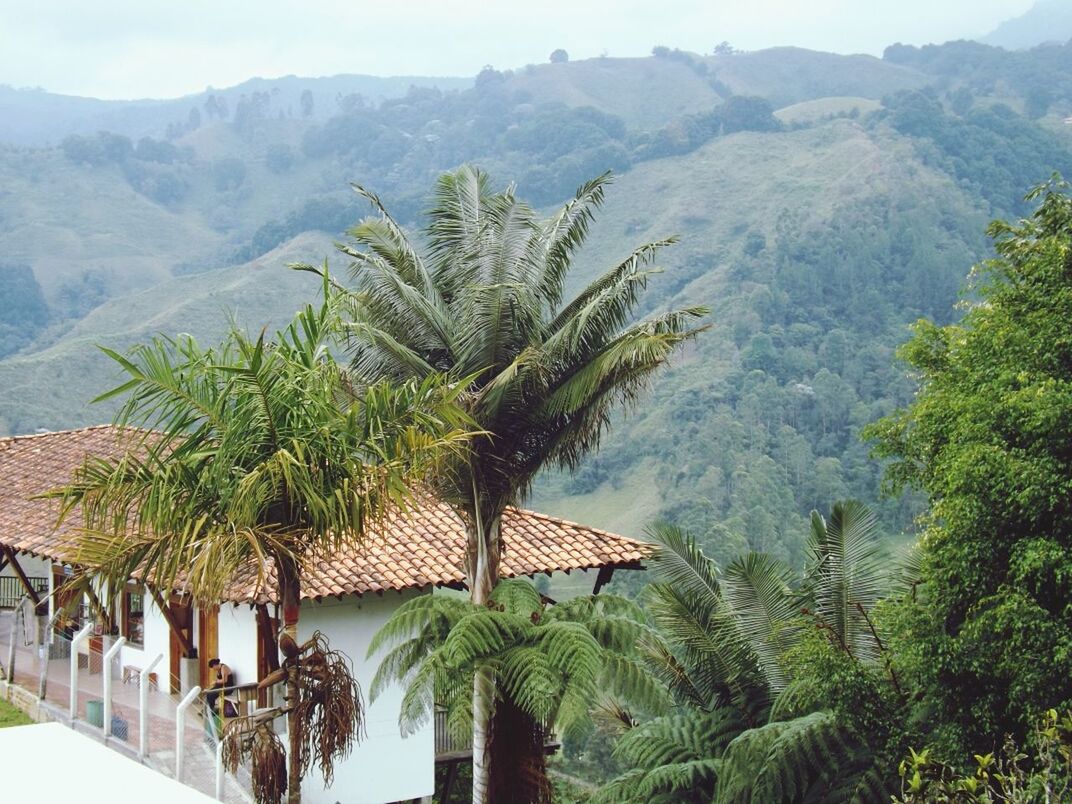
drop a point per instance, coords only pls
(165, 609)
(603, 578)
(268, 637)
(452, 772)
(7, 551)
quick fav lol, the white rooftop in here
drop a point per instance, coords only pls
(49, 763)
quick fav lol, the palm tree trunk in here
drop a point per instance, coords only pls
(482, 556)
(290, 600)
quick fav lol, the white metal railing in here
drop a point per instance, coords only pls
(89, 679)
(180, 732)
(144, 679)
(79, 638)
(110, 654)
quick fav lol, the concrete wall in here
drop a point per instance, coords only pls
(384, 767)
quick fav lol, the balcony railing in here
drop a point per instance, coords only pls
(448, 748)
(12, 591)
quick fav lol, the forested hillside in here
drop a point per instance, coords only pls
(822, 202)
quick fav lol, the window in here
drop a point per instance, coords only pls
(132, 624)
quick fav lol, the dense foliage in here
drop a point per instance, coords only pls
(988, 639)
(24, 312)
(762, 664)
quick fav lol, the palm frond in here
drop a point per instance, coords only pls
(845, 574)
(564, 233)
(757, 589)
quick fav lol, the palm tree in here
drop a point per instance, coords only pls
(746, 730)
(251, 457)
(486, 306)
(551, 662)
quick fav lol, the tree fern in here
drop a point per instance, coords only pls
(551, 662)
(782, 760)
(746, 730)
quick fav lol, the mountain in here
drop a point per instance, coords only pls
(823, 203)
(1048, 21)
(33, 117)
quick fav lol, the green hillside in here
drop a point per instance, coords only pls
(51, 388)
(787, 75)
(816, 233)
(643, 92)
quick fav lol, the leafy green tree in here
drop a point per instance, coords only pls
(551, 662)
(250, 457)
(486, 306)
(751, 724)
(989, 635)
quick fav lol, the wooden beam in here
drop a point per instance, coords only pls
(10, 554)
(165, 609)
(3, 561)
(269, 638)
(602, 579)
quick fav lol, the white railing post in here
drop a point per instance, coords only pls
(180, 723)
(219, 771)
(107, 680)
(143, 707)
(10, 669)
(79, 638)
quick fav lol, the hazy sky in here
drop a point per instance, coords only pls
(162, 48)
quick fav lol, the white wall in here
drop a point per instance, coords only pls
(238, 642)
(237, 635)
(384, 767)
(32, 566)
(156, 641)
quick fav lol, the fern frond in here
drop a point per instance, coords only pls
(517, 596)
(779, 761)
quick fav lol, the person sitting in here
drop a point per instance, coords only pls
(222, 677)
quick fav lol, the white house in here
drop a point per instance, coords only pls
(347, 597)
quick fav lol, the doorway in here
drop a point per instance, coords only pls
(183, 613)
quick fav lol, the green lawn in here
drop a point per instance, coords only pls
(10, 716)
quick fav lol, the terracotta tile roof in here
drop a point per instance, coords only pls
(423, 549)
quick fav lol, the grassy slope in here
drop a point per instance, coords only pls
(643, 92)
(813, 110)
(649, 92)
(64, 219)
(786, 75)
(61, 379)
